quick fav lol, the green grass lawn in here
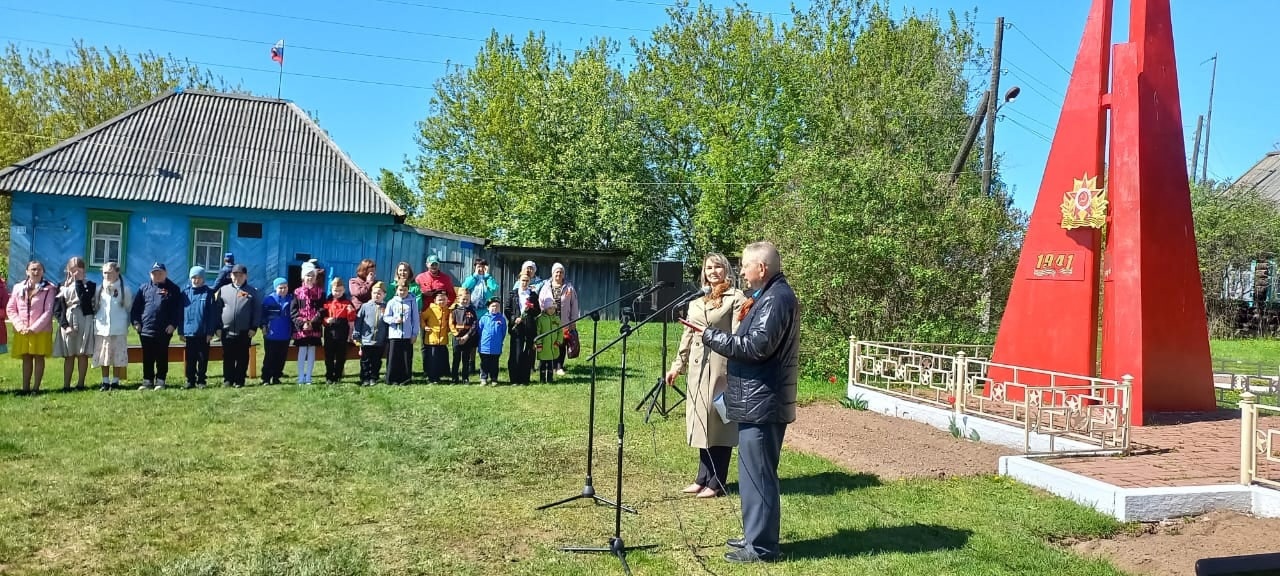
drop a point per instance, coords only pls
(1252, 355)
(344, 480)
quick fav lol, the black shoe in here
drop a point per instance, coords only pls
(81, 387)
(744, 556)
(189, 386)
(738, 543)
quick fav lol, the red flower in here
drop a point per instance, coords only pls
(832, 379)
(951, 399)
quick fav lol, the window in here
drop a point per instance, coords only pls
(107, 233)
(208, 243)
(249, 229)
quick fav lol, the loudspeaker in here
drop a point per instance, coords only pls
(1252, 565)
(671, 274)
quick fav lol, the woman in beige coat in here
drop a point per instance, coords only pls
(708, 376)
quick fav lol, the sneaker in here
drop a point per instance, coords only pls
(146, 385)
(560, 372)
(189, 386)
(200, 385)
(159, 385)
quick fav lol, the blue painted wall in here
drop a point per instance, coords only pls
(52, 229)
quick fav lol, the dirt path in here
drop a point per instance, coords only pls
(893, 448)
(888, 447)
(1171, 548)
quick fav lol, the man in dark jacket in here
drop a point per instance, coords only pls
(240, 315)
(156, 314)
(761, 395)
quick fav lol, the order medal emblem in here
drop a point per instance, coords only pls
(1085, 206)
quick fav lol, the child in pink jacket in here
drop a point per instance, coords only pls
(30, 309)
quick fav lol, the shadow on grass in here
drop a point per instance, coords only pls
(909, 539)
(822, 483)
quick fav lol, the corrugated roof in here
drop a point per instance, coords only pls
(207, 149)
(1263, 177)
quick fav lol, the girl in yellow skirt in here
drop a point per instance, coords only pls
(30, 309)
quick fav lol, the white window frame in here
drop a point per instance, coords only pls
(99, 260)
(219, 248)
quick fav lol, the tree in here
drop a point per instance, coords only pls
(45, 100)
(534, 147)
(714, 95)
(405, 197)
(879, 244)
(1234, 227)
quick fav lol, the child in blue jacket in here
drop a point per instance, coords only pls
(200, 321)
(493, 329)
(277, 331)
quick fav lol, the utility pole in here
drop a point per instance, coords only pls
(969, 137)
(1208, 120)
(1195, 153)
(988, 158)
(988, 154)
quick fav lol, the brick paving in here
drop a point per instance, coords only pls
(1176, 450)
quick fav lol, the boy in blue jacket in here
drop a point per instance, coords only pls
(156, 314)
(493, 329)
(200, 322)
(276, 332)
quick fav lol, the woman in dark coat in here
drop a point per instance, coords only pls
(524, 328)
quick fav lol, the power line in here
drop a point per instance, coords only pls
(512, 16)
(262, 70)
(1032, 118)
(665, 5)
(227, 38)
(1033, 78)
(1037, 46)
(319, 21)
(1031, 130)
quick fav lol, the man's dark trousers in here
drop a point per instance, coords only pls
(759, 449)
(235, 358)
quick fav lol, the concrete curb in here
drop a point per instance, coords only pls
(1141, 504)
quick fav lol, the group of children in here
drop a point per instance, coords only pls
(92, 322)
(393, 326)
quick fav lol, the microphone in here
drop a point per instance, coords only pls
(694, 296)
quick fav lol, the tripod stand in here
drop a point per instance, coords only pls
(617, 546)
(659, 391)
(588, 489)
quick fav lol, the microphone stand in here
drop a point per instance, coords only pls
(616, 545)
(659, 390)
(588, 488)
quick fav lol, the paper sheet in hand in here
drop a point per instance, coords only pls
(719, 404)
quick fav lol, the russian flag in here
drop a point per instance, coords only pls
(277, 52)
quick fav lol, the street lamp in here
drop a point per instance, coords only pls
(1009, 96)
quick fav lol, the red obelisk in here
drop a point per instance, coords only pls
(1154, 324)
(1051, 320)
(1153, 317)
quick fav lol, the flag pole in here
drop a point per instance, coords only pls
(280, 79)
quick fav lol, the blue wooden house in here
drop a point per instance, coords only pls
(191, 175)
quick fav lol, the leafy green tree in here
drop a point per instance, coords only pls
(408, 199)
(879, 243)
(536, 147)
(1235, 226)
(44, 99)
(714, 93)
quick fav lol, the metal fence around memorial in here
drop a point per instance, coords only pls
(1089, 410)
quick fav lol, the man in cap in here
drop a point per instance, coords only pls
(224, 273)
(240, 312)
(156, 314)
(436, 279)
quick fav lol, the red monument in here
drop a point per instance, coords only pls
(1152, 314)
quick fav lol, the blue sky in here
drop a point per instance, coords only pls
(374, 122)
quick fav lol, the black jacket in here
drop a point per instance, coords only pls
(764, 357)
(156, 307)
